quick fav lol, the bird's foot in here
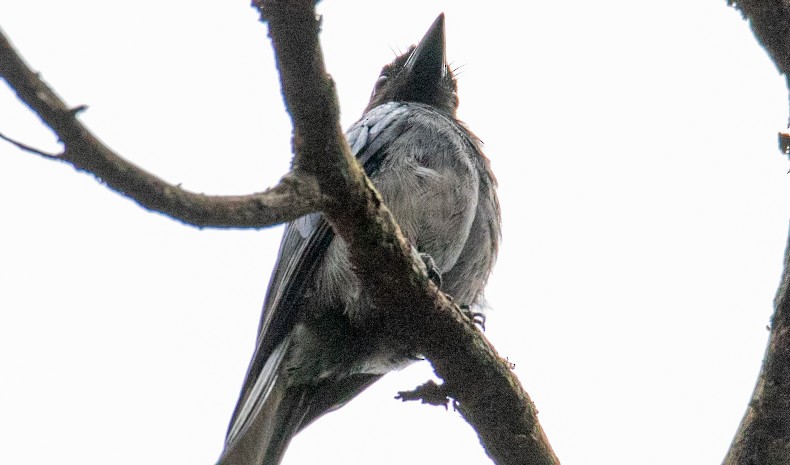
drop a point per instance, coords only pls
(478, 318)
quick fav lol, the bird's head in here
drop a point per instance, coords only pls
(420, 75)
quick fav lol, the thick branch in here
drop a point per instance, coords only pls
(490, 397)
(295, 195)
(770, 22)
(764, 434)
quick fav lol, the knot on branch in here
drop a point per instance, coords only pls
(428, 393)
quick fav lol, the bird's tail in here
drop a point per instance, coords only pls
(267, 436)
(272, 410)
(269, 416)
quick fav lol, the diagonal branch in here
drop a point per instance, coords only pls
(770, 22)
(295, 195)
(489, 395)
(763, 436)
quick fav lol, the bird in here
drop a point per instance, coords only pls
(312, 354)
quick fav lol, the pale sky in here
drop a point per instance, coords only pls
(645, 210)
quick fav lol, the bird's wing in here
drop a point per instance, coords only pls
(303, 246)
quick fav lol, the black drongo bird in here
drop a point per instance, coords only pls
(312, 354)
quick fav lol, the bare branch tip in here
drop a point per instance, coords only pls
(78, 109)
(27, 148)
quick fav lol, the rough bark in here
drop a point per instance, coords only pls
(764, 434)
(770, 22)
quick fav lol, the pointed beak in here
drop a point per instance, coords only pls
(426, 64)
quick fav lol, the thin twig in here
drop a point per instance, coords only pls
(296, 194)
(29, 149)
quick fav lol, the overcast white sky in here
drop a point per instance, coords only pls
(644, 200)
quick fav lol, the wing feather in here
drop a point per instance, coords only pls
(303, 246)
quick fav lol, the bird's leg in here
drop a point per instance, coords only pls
(478, 318)
(433, 271)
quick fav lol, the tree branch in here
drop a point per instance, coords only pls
(763, 436)
(770, 22)
(489, 395)
(295, 195)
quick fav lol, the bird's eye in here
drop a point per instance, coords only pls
(380, 83)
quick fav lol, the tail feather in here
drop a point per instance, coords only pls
(331, 396)
(252, 399)
(265, 437)
(265, 440)
(267, 416)
(272, 410)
